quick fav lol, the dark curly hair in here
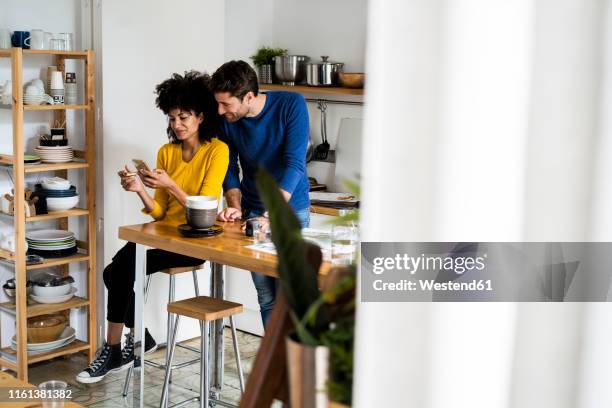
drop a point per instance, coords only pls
(190, 92)
(235, 77)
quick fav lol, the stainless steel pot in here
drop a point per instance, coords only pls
(290, 69)
(323, 73)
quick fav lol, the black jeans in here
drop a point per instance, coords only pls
(120, 274)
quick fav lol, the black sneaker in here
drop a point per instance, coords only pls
(108, 360)
(127, 354)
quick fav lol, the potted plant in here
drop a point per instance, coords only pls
(320, 351)
(263, 59)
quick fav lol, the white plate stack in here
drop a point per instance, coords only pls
(67, 337)
(55, 154)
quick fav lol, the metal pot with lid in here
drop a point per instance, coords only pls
(323, 73)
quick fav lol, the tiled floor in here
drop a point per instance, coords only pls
(108, 392)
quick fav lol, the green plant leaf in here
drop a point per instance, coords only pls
(265, 55)
(298, 260)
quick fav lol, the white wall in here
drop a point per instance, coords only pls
(57, 16)
(143, 43)
(336, 28)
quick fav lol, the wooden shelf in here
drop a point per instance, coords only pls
(65, 54)
(48, 262)
(312, 89)
(37, 309)
(8, 364)
(7, 160)
(7, 255)
(74, 212)
(53, 107)
(71, 348)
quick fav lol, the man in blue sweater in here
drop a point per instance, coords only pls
(269, 130)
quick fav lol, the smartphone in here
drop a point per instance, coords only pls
(141, 165)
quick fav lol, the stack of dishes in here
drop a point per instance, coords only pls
(31, 158)
(53, 294)
(55, 154)
(51, 243)
(60, 197)
(66, 337)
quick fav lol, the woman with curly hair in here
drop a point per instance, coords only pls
(193, 163)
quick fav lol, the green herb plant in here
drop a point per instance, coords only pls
(265, 55)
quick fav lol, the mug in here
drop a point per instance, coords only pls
(5, 38)
(21, 39)
(37, 39)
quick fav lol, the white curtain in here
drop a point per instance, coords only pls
(486, 120)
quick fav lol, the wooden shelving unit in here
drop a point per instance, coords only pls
(22, 308)
(37, 309)
(312, 89)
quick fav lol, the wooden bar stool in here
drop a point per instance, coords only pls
(205, 309)
(171, 272)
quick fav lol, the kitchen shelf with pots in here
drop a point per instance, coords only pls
(312, 89)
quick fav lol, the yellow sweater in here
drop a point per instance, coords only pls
(203, 175)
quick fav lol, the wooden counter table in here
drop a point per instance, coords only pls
(7, 382)
(226, 249)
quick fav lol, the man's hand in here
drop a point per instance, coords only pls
(229, 214)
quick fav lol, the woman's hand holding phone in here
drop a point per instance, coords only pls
(156, 179)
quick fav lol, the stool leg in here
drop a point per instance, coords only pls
(147, 284)
(204, 366)
(128, 378)
(165, 391)
(171, 319)
(237, 353)
(196, 288)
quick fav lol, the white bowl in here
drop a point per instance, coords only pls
(61, 203)
(52, 291)
(202, 202)
(39, 84)
(55, 183)
(33, 90)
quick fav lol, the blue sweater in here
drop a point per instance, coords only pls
(275, 139)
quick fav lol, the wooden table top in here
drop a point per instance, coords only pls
(7, 381)
(228, 248)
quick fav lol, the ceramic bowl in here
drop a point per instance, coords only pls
(351, 79)
(52, 291)
(55, 183)
(202, 202)
(45, 328)
(199, 219)
(61, 203)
